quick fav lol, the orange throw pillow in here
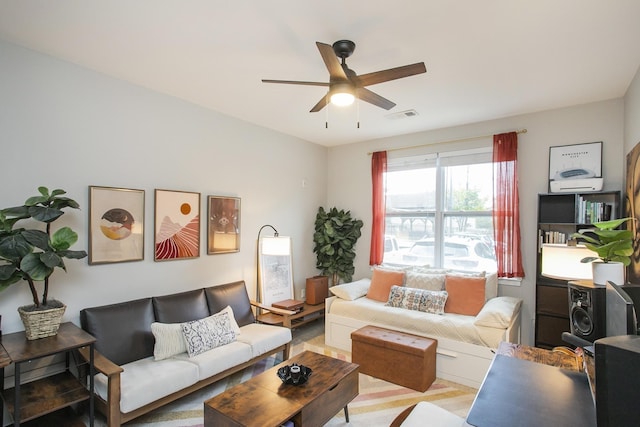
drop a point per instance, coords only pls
(466, 294)
(381, 283)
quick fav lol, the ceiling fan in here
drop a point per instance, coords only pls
(344, 84)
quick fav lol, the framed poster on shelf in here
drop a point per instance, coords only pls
(116, 225)
(575, 166)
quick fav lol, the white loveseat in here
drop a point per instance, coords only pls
(466, 343)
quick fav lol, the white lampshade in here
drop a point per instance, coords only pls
(275, 245)
(563, 262)
(342, 95)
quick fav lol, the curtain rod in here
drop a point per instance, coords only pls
(444, 142)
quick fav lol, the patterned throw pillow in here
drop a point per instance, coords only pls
(417, 299)
(208, 333)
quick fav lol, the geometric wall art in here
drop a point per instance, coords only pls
(177, 225)
(116, 225)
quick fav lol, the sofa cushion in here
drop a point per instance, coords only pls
(211, 332)
(181, 307)
(352, 290)
(219, 359)
(498, 312)
(429, 281)
(417, 299)
(264, 338)
(146, 380)
(381, 283)
(466, 294)
(233, 295)
(122, 331)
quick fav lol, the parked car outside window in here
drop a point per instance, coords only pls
(459, 254)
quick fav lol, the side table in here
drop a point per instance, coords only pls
(290, 319)
(56, 391)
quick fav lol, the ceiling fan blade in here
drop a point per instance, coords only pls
(374, 98)
(331, 61)
(295, 82)
(321, 104)
(391, 74)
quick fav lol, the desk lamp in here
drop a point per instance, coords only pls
(560, 261)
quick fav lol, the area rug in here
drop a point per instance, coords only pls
(377, 404)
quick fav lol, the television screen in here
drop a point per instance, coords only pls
(620, 312)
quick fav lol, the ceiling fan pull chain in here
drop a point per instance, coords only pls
(326, 120)
(358, 112)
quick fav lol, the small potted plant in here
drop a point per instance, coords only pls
(613, 248)
(33, 254)
(335, 237)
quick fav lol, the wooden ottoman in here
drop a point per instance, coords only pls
(401, 358)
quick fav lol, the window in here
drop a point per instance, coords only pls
(439, 211)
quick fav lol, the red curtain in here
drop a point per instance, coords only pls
(378, 170)
(506, 213)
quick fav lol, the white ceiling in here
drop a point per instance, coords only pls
(485, 59)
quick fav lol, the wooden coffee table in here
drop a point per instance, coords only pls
(265, 401)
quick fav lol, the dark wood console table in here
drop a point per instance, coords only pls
(31, 400)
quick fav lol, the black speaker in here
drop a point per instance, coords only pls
(587, 310)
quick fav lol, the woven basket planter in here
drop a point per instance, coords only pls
(42, 323)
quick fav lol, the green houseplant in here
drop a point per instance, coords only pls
(33, 254)
(608, 242)
(335, 237)
(613, 248)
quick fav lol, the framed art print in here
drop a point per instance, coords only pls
(577, 161)
(177, 232)
(223, 225)
(275, 269)
(116, 225)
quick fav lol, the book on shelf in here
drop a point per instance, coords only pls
(553, 237)
(590, 211)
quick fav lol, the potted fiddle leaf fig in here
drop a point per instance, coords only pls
(613, 248)
(335, 237)
(33, 254)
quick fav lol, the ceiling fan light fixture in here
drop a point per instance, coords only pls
(342, 95)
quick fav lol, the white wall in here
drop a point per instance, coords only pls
(349, 178)
(63, 126)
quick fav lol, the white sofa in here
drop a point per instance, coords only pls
(154, 350)
(466, 343)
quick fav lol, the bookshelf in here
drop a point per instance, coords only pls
(559, 216)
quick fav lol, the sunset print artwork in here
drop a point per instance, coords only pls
(177, 225)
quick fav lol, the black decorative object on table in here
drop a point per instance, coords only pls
(294, 374)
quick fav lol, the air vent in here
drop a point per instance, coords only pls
(402, 115)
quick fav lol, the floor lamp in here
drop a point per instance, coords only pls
(274, 276)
